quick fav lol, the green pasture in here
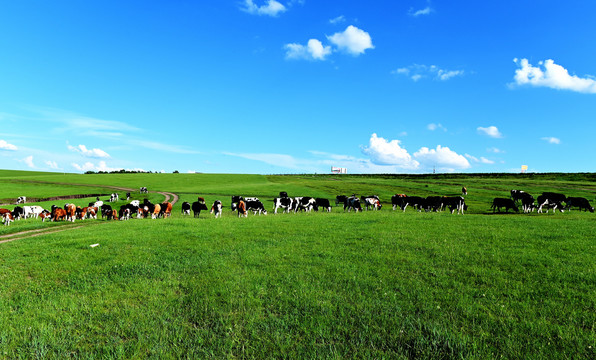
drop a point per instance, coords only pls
(383, 284)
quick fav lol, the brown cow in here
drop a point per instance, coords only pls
(112, 215)
(91, 212)
(166, 209)
(71, 211)
(156, 211)
(242, 209)
(59, 214)
(7, 218)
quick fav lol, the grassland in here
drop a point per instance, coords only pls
(368, 285)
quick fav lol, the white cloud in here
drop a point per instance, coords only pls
(442, 157)
(433, 127)
(314, 50)
(383, 152)
(352, 40)
(491, 131)
(271, 8)
(426, 11)
(495, 150)
(418, 71)
(552, 140)
(553, 76)
(52, 164)
(337, 20)
(93, 153)
(29, 161)
(6, 146)
(482, 159)
(89, 166)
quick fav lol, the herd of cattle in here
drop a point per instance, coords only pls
(244, 205)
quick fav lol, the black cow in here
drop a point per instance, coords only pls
(455, 203)
(323, 203)
(127, 210)
(555, 196)
(186, 208)
(256, 206)
(506, 203)
(105, 210)
(396, 200)
(18, 212)
(340, 199)
(527, 201)
(197, 207)
(283, 194)
(127, 196)
(285, 203)
(416, 202)
(433, 203)
(517, 195)
(580, 202)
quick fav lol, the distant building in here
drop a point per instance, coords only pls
(338, 170)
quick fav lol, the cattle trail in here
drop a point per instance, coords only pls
(38, 232)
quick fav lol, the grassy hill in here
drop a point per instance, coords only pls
(368, 285)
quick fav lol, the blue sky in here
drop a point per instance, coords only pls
(275, 86)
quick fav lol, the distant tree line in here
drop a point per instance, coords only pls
(122, 171)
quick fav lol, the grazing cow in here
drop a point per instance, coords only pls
(255, 206)
(58, 213)
(21, 200)
(283, 194)
(416, 202)
(112, 215)
(136, 203)
(455, 203)
(432, 203)
(555, 196)
(396, 200)
(323, 203)
(197, 207)
(71, 212)
(18, 213)
(241, 209)
(7, 218)
(127, 210)
(113, 197)
(285, 203)
(105, 210)
(166, 209)
(45, 215)
(580, 202)
(143, 190)
(371, 201)
(305, 203)
(127, 196)
(216, 208)
(352, 203)
(237, 198)
(156, 211)
(92, 212)
(340, 199)
(545, 201)
(464, 191)
(527, 201)
(5, 211)
(517, 195)
(32, 211)
(506, 203)
(186, 208)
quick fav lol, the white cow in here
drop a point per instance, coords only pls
(21, 200)
(32, 211)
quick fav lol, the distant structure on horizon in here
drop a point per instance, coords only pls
(524, 168)
(338, 170)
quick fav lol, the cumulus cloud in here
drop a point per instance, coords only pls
(433, 127)
(6, 146)
(482, 159)
(52, 164)
(89, 166)
(552, 140)
(337, 20)
(93, 153)
(418, 71)
(352, 40)
(383, 152)
(443, 157)
(314, 50)
(415, 13)
(551, 75)
(29, 161)
(270, 8)
(491, 131)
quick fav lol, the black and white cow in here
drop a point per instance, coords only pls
(127, 210)
(21, 200)
(455, 203)
(216, 208)
(580, 202)
(237, 198)
(545, 201)
(433, 203)
(197, 207)
(323, 203)
(286, 203)
(527, 201)
(143, 190)
(416, 202)
(283, 194)
(186, 208)
(127, 196)
(255, 205)
(517, 195)
(18, 213)
(113, 197)
(32, 211)
(352, 203)
(105, 210)
(499, 203)
(305, 203)
(396, 200)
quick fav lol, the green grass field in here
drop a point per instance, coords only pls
(321, 285)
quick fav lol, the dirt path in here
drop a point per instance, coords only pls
(38, 232)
